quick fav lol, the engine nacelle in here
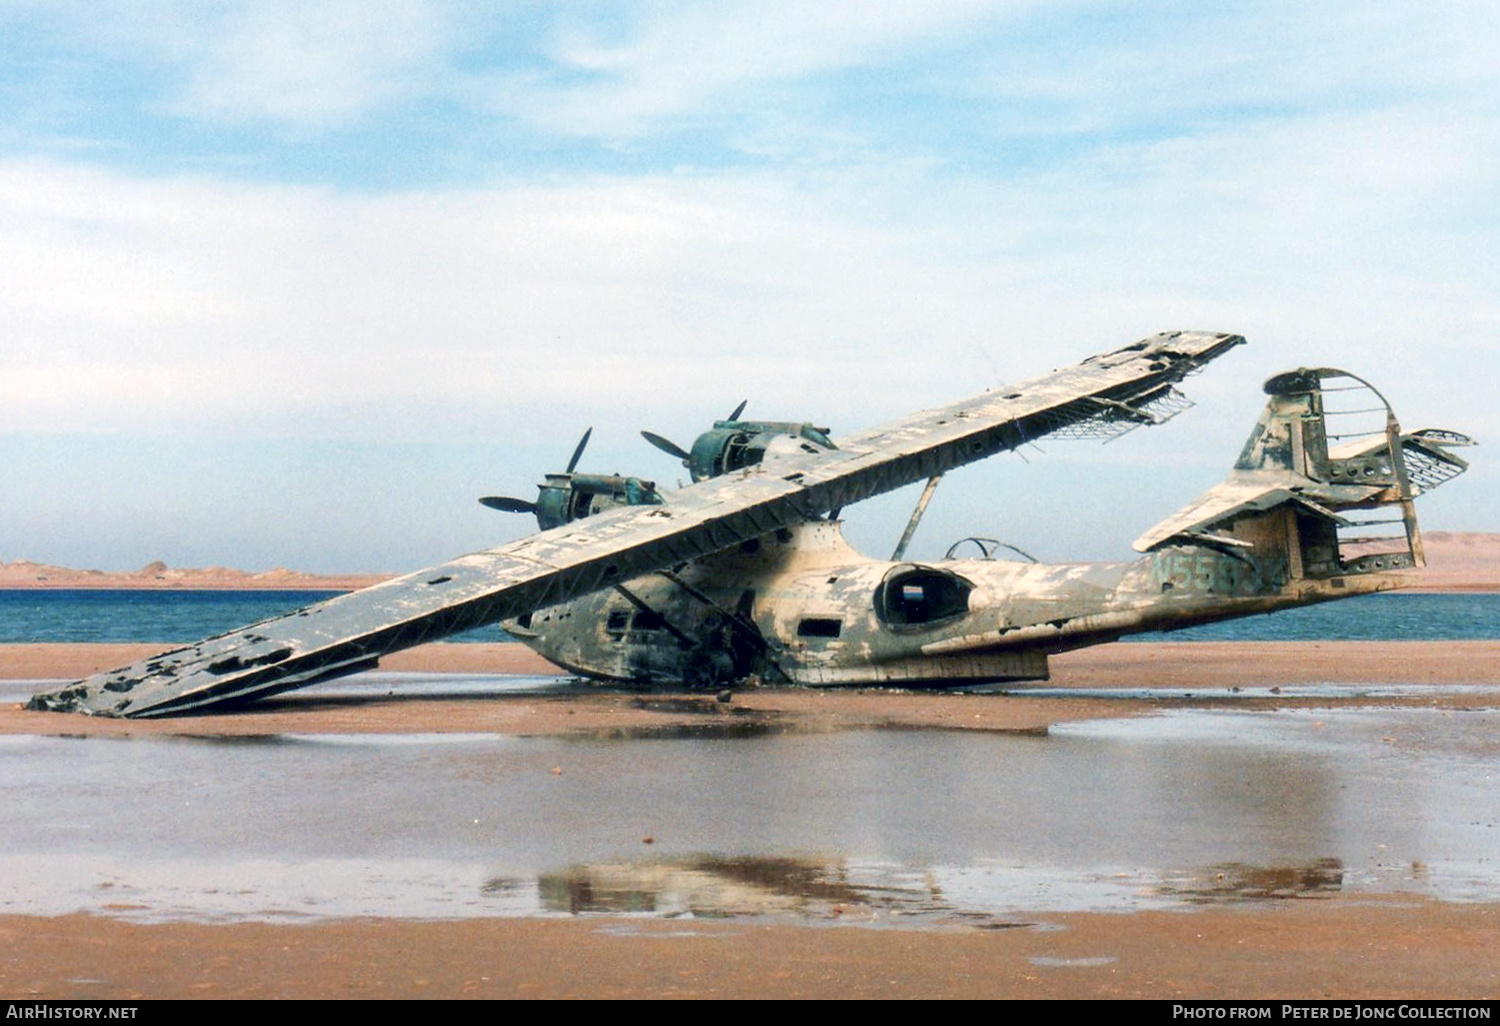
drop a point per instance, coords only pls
(734, 444)
(568, 497)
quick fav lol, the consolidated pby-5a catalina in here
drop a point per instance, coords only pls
(744, 573)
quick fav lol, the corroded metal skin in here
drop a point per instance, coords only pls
(802, 606)
(707, 532)
(815, 606)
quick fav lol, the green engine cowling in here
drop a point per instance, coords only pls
(734, 444)
(568, 497)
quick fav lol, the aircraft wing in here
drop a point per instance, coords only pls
(1102, 395)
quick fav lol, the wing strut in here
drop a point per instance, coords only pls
(916, 517)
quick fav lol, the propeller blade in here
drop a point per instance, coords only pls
(505, 504)
(739, 409)
(666, 445)
(578, 452)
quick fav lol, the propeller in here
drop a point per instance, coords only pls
(578, 452)
(506, 504)
(666, 445)
(671, 448)
(509, 504)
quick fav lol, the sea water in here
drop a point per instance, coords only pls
(82, 615)
(1187, 808)
(165, 616)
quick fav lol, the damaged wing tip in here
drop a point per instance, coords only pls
(64, 699)
(1193, 346)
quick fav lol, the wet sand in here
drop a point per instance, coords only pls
(1311, 948)
(1316, 947)
(1208, 669)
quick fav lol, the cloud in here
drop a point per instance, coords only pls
(314, 63)
(939, 198)
(306, 65)
(193, 304)
(250, 306)
(601, 70)
(682, 59)
(999, 85)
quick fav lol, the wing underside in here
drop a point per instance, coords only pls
(1100, 396)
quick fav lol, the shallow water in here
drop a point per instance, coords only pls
(1390, 616)
(177, 617)
(1169, 811)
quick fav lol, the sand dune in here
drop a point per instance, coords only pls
(25, 574)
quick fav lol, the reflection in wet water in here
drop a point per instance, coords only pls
(1179, 809)
(717, 887)
(705, 886)
(1326, 691)
(1251, 883)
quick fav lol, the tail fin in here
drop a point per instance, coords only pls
(1325, 458)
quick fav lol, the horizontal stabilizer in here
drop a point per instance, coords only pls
(1428, 461)
(1244, 494)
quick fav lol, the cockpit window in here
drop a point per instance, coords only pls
(913, 596)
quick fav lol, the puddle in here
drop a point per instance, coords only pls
(1334, 692)
(372, 684)
(1186, 808)
(377, 684)
(398, 684)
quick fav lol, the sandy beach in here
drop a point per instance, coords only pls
(1395, 946)
(1317, 949)
(1325, 946)
(1210, 669)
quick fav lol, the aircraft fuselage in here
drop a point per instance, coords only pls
(802, 606)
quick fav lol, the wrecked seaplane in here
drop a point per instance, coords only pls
(744, 574)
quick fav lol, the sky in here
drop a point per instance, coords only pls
(293, 283)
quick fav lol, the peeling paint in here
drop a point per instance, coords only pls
(709, 584)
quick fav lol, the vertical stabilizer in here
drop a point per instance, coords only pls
(1325, 481)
